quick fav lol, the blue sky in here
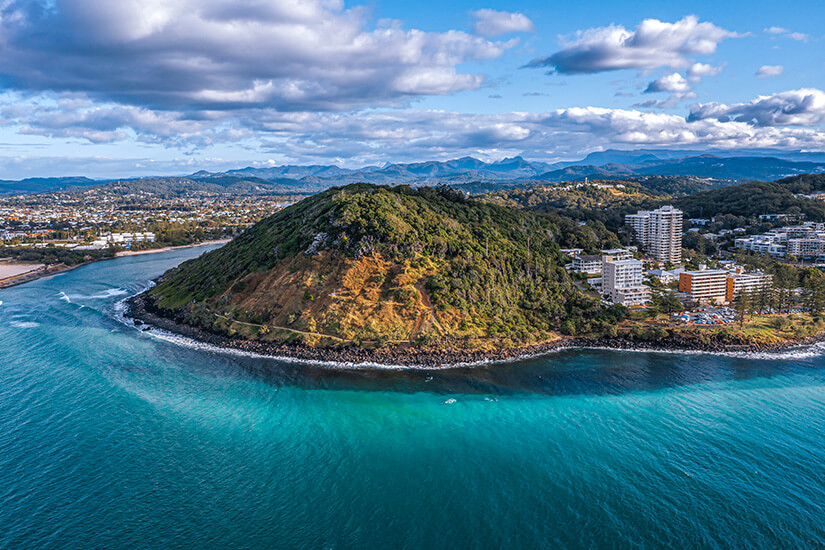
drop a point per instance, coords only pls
(140, 87)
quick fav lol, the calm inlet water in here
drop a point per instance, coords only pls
(114, 438)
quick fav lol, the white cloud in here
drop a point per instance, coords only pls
(668, 83)
(769, 70)
(698, 71)
(802, 37)
(221, 54)
(377, 136)
(495, 23)
(414, 135)
(804, 107)
(651, 45)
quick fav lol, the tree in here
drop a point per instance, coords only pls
(742, 303)
(813, 290)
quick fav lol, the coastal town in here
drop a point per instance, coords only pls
(653, 271)
(110, 215)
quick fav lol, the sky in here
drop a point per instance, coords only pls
(126, 88)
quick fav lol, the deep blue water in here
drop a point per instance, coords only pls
(114, 438)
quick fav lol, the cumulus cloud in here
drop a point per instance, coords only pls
(651, 45)
(804, 107)
(776, 30)
(370, 137)
(376, 136)
(217, 54)
(495, 23)
(698, 71)
(668, 83)
(769, 70)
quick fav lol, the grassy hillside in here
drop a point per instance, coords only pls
(366, 263)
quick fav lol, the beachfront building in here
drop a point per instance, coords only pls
(706, 286)
(588, 263)
(622, 281)
(659, 231)
(124, 240)
(737, 283)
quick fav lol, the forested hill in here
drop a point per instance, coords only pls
(388, 265)
(755, 198)
(604, 207)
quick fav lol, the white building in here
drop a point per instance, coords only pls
(746, 282)
(761, 245)
(811, 247)
(622, 281)
(659, 231)
(123, 239)
(587, 263)
(665, 277)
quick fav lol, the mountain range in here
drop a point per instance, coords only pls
(732, 166)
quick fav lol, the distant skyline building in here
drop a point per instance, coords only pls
(659, 231)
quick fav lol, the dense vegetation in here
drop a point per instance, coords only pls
(732, 206)
(753, 199)
(51, 255)
(602, 209)
(374, 263)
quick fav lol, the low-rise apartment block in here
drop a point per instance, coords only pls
(588, 263)
(708, 286)
(737, 283)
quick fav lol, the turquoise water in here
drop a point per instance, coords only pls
(115, 438)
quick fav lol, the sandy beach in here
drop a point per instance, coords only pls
(9, 270)
(168, 248)
(13, 274)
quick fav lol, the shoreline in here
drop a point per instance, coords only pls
(127, 253)
(35, 275)
(428, 358)
(32, 276)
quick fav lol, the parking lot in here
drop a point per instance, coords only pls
(706, 316)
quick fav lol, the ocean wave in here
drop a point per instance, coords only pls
(24, 324)
(110, 293)
(804, 351)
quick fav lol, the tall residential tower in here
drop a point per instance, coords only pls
(659, 231)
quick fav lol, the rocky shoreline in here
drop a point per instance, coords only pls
(410, 356)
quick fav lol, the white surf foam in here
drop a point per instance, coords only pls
(24, 324)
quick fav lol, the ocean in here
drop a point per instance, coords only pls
(111, 437)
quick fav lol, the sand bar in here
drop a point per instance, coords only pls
(8, 270)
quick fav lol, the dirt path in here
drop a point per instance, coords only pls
(307, 333)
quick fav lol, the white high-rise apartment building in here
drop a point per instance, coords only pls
(640, 222)
(659, 231)
(622, 281)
